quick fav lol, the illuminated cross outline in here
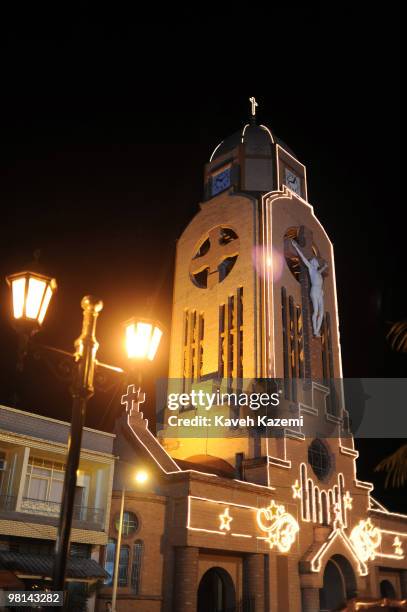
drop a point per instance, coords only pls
(133, 398)
(254, 104)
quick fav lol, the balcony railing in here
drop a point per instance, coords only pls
(94, 516)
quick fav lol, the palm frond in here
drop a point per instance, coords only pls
(397, 336)
(396, 467)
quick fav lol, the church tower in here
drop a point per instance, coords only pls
(269, 516)
(255, 300)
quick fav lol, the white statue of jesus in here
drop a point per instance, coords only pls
(317, 291)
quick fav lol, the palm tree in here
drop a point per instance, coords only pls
(396, 464)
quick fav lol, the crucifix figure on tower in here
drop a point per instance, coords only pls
(317, 291)
(254, 104)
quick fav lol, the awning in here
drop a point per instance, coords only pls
(41, 566)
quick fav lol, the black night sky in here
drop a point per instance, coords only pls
(104, 136)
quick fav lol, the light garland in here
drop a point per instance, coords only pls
(347, 500)
(296, 487)
(280, 526)
(366, 539)
(398, 548)
(225, 520)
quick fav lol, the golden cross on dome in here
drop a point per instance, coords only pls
(225, 519)
(254, 104)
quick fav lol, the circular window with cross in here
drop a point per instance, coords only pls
(215, 257)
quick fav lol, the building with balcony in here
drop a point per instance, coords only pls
(33, 451)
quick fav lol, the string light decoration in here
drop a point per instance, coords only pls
(225, 520)
(296, 487)
(280, 526)
(397, 545)
(366, 539)
(347, 500)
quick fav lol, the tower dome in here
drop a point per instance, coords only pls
(253, 160)
(258, 140)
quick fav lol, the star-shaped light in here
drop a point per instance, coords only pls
(225, 520)
(398, 546)
(274, 510)
(296, 487)
(347, 499)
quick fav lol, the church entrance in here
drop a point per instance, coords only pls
(216, 592)
(339, 584)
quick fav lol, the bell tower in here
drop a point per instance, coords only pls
(255, 299)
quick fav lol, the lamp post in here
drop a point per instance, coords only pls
(31, 294)
(82, 389)
(141, 477)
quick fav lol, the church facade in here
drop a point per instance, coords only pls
(249, 515)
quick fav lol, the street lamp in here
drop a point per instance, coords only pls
(31, 294)
(142, 338)
(141, 477)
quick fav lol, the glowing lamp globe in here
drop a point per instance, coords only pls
(31, 294)
(141, 477)
(142, 339)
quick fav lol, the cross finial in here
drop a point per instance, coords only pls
(133, 398)
(254, 104)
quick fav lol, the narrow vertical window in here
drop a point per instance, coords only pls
(185, 350)
(109, 560)
(293, 347)
(286, 359)
(311, 509)
(230, 341)
(239, 334)
(201, 332)
(193, 345)
(341, 493)
(221, 357)
(136, 566)
(300, 342)
(317, 505)
(304, 506)
(331, 503)
(123, 566)
(324, 506)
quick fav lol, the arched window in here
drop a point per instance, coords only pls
(109, 560)
(136, 567)
(123, 566)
